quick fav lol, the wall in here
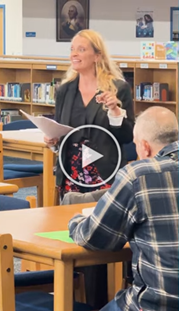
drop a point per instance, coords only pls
(114, 19)
(13, 17)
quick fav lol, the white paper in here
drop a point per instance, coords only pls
(88, 211)
(49, 127)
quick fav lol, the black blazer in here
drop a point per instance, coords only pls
(99, 140)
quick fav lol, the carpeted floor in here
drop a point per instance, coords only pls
(21, 194)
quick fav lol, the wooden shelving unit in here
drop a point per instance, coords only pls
(161, 72)
(21, 69)
(27, 70)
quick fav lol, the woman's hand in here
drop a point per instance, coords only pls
(110, 101)
(50, 141)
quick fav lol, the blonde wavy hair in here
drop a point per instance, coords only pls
(107, 70)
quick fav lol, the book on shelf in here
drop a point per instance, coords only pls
(9, 115)
(25, 92)
(45, 93)
(12, 111)
(13, 91)
(147, 49)
(171, 50)
(152, 91)
(57, 83)
(159, 50)
(178, 51)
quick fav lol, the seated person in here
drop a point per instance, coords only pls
(142, 207)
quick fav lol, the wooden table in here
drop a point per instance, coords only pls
(29, 144)
(22, 224)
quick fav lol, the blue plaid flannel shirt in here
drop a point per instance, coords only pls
(141, 207)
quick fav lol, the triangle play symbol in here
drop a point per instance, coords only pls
(89, 156)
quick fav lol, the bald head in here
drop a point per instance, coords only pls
(155, 128)
(157, 125)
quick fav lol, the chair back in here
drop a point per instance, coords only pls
(18, 125)
(7, 291)
(130, 151)
(11, 203)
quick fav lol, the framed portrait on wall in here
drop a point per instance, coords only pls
(71, 17)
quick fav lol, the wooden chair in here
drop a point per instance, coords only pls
(7, 289)
(8, 189)
(27, 297)
(10, 203)
(35, 271)
(16, 177)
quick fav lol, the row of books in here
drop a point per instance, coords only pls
(42, 92)
(45, 92)
(152, 91)
(10, 115)
(15, 91)
(160, 50)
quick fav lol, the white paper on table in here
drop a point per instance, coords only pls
(87, 211)
(49, 127)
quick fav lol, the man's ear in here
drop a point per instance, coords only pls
(146, 148)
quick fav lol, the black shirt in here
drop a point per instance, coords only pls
(80, 116)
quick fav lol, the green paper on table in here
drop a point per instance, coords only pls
(57, 235)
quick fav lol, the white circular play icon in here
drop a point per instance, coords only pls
(89, 156)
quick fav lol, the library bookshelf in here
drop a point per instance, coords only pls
(36, 70)
(157, 72)
(30, 72)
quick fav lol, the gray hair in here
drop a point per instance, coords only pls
(157, 125)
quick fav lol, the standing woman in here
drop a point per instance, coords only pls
(93, 92)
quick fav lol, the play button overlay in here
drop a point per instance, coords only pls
(90, 155)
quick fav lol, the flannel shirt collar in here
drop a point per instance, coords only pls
(169, 149)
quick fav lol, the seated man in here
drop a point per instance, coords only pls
(142, 207)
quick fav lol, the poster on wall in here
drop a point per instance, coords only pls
(144, 24)
(71, 17)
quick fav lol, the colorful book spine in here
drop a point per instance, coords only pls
(171, 50)
(160, 51)
(148, 50)
(156, 91)
(152, 92)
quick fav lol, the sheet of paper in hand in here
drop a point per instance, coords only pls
(49, 127)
